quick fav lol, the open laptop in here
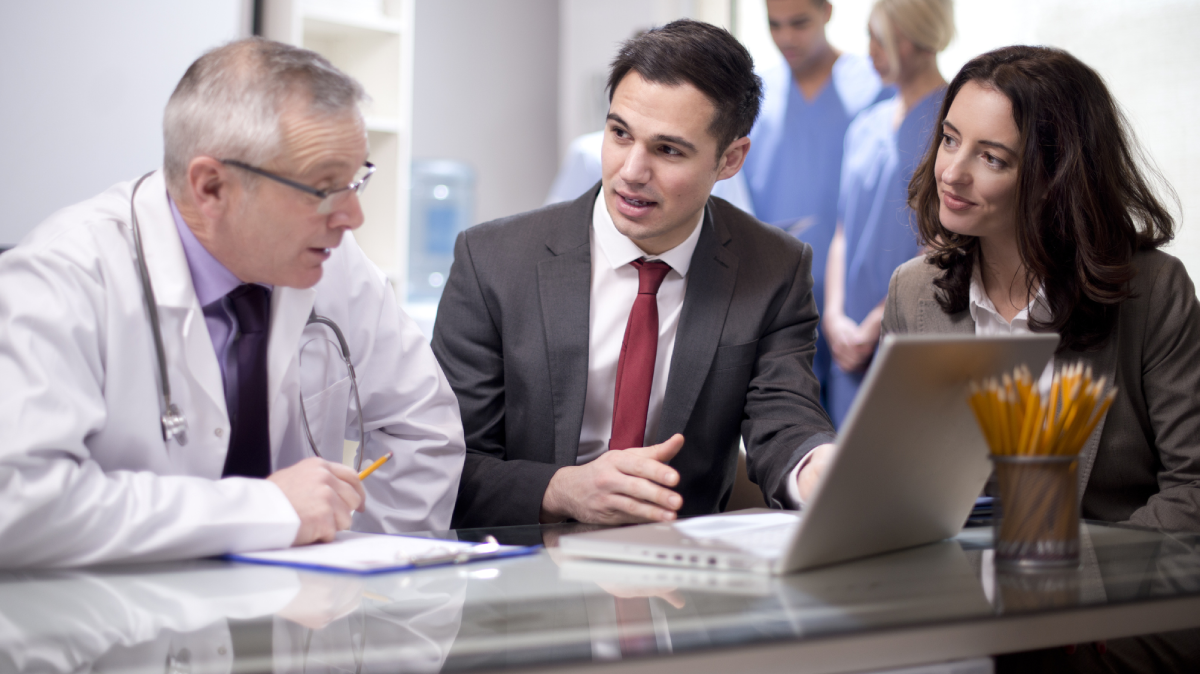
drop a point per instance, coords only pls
(911, 460)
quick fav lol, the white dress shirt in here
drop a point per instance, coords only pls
(614, 288)
(989, 322)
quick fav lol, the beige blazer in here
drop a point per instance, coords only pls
(1142, 464)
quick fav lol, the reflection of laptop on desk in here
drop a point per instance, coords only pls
(910, 462)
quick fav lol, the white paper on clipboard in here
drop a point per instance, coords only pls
(356, 552)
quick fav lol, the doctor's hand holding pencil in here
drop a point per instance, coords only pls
(324, 495)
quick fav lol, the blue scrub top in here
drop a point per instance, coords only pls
(879, 225)
(873, 209)
(795, 159)
(795, 162)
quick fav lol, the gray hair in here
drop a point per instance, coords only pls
(228, 103)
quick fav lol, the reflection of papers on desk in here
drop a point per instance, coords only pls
(627, 575)
(355, 552)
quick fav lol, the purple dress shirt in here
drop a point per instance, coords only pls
(213, 281)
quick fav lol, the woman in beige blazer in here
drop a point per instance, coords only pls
(1036, 216)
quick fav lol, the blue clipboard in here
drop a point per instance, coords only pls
(369, 554)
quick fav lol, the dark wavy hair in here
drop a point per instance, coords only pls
(1084, 203)
(705, 56)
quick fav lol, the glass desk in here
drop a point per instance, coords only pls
(933, 603)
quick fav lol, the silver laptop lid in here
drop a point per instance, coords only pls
(911, 459)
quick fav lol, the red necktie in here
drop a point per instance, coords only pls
(635, 626)
(635, 369)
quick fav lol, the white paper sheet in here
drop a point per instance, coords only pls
(372, 553)
(764, 534)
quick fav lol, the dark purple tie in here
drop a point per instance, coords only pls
(635, 369)
(250, 443)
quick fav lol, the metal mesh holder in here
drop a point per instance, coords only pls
(1037, 519)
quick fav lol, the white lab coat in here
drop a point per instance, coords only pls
(85, 476)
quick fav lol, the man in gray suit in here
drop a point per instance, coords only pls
(645, 317)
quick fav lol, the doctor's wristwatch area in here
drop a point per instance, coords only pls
(174, 422)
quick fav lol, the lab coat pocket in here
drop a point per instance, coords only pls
(327, 412)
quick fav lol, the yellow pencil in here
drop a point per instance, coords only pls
(371, 468)
(1016, 420)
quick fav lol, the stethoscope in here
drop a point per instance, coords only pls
(174, 423)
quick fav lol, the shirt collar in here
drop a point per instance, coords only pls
(211, 279)
(620, 250)
(978, 301)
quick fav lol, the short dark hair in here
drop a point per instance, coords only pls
(1085, 196)
(705, 56)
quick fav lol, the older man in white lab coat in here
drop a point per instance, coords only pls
(265, 151)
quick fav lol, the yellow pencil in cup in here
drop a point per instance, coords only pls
(1035, 445)
(371, 468)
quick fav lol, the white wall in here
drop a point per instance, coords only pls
(1148, 52)
(591, 31)
(485, 92)
(84, 84)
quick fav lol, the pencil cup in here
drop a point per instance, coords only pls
(1018, 591)
(1037, 519)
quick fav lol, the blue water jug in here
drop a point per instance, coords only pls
(442, 205)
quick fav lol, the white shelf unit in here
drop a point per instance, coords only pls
(372, 41)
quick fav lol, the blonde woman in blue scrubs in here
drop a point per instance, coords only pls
(884, 143)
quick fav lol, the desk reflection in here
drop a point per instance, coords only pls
(542, 609)
(552, 609)
(207, 616)
(593, 611)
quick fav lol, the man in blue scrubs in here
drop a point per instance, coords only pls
(809, 98)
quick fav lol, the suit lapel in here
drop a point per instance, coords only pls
(1104, 364)
(712, 277)
(564, 290)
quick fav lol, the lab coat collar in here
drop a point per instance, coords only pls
(290, 308)
(165, 259)
(185, 334)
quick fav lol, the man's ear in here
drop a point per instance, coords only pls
(733, 158)
(209, 186)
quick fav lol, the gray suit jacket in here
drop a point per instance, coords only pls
(1142, 464)
(512, 337)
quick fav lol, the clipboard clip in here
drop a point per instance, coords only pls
(443, 555)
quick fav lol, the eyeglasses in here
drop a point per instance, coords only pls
(329, 198)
